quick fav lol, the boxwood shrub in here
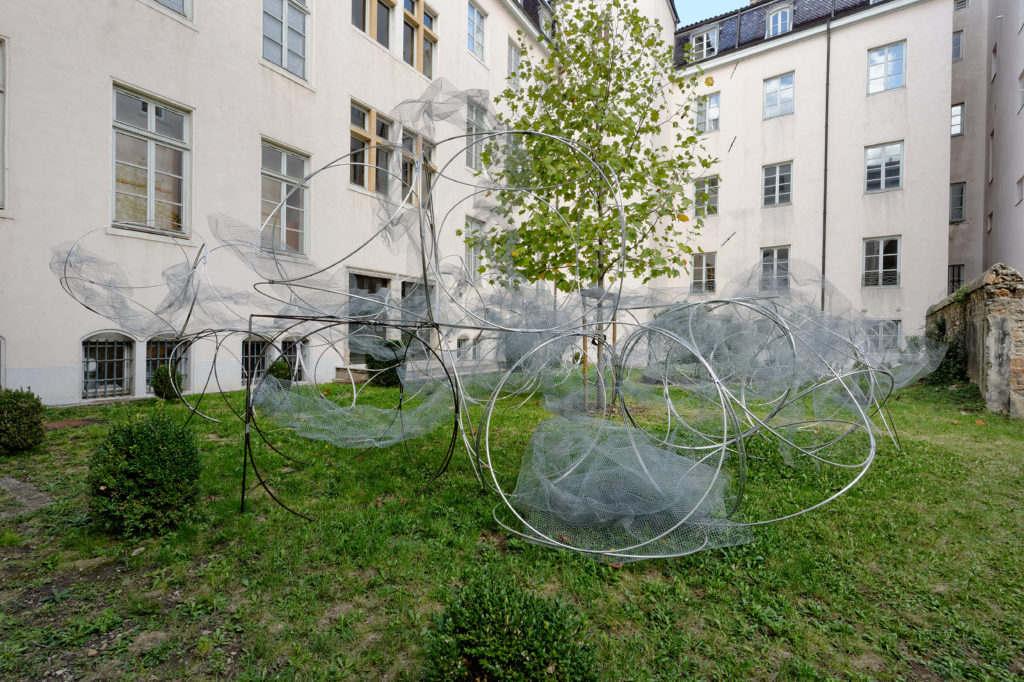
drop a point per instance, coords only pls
(22, 420)
(163, 388)
(145, 477)
(495, 630)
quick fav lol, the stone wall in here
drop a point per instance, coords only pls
(987, 316)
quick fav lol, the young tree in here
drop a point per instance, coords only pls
(608, 83)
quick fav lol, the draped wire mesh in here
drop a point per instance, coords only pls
(675, 417)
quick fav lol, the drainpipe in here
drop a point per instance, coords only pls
(824, 198)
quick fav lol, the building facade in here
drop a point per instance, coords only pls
(171, 111)
(851, 134)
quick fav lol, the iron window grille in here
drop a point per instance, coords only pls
(254, 359)
(161, 352)
(954, 278)
(107, 367)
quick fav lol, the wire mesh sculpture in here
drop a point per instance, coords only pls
(673, 418)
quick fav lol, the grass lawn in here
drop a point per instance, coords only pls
(917, 573)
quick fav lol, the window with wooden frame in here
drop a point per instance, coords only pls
(412, 146)
(419, 42)
(373, 17)
(379, 164)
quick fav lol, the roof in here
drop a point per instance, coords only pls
(746, 25)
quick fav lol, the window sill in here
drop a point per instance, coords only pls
(473, 55)
(123, 230)
(266, 63)
(882, 92)
(780, 205)
(772, 118)
(879, 287)
(359, 189)
(185, 21)
(6, 215)
(868, 192)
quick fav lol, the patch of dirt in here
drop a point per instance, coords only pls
(87, 565)
(919, 671)
(870, 661)
(72, 424)
(144, 641)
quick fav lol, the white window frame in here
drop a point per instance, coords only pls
(875, 277)
(702, 277)
(185, 12)
(883, 151)
(152, 140)
(886, 60)
(785, 95)
(784, 13)
(958, 46)
(707, 113)
(515, 56)
(882, 335)
(777, 196)
(774, 281)
(705, 196)
(474, 226)
(956, 119)
(476, 37)
(476, 116)
(276, 237)
(118, 385)
(708, 45)
(284, 40)
(957, 202)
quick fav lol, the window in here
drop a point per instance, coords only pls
(703, 279)
(182, 7)
(474, 128)
(372, 150)
(383, 24)
(777, 184)
(462, 346)
(284, 34)
(474, 227)
(476, 32)
(373, 17)
(418, 38)
(991, 155)
(367, 298)
(780, 21)
(885, 67)
(515, 55)
(707, 113)
(775, 269)
(956, 126)
(166, 351)
(284, 199)
(958, 46)
(704, 44)
(957, 202)
(882, 335)
(412, 145)
(706, 197)
(959, 4)
(294, 351)
(254, 358)
(778, 96)
(881, 262)
(150, 163)
(3, 46)
(954, 279)
(107, 364)
(883, 167)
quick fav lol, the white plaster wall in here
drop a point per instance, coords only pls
(63, 60)
(918, 114)
(1005, 116)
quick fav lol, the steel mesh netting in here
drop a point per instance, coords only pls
(674, 421)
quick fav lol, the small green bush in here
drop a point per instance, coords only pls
(145, 476)
(494, 630)
(281, 369)
(384, 372)
(163, 387)
(22, 420)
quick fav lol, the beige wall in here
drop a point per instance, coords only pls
(917, 114)
(1005, 117)
(63, 61)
